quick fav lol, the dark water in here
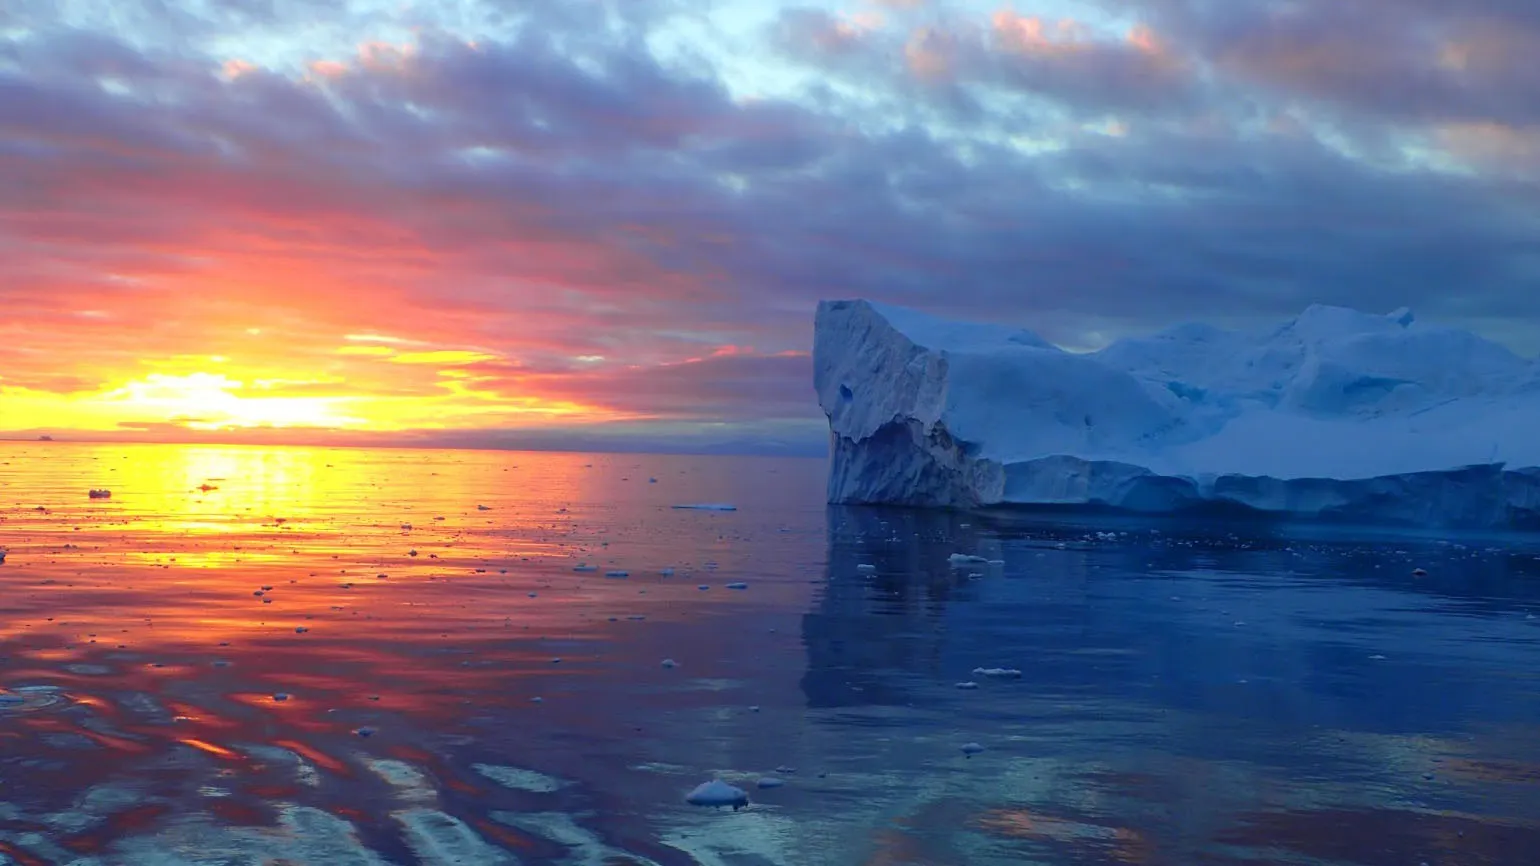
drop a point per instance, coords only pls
(1198, 694)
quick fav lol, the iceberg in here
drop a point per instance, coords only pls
(1335, 414)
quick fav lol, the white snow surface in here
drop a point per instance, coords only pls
(1334, 413)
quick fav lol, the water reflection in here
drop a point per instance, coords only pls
(1190, 694)
(344, 656)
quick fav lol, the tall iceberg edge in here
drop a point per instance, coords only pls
(1335, 414)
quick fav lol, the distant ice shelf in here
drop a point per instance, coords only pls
(1335, 414)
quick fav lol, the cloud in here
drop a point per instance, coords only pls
(578, 204)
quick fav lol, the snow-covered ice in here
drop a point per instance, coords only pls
(1334, 414)
(717, 793)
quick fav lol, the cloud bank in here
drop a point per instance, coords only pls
(552, 215)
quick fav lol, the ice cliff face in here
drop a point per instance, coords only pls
(1334, 414)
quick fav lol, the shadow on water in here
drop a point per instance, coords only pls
(1192, 692)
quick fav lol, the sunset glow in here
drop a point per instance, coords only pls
(396, 222)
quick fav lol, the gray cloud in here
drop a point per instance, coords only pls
(559, 188)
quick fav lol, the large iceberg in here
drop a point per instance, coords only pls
(1335, 414)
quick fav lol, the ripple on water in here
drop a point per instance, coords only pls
(31, 699)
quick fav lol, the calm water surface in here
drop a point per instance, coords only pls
(370, 657)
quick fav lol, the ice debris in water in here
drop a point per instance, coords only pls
(770, 782)
(707, 506)
(971, 749)
(999, 673)
(667, 572)
(739, 585)
(99, 493)
(716, 793)
(585, 567)
(670, 663)
(968, 686)
(965, 559)
(617, 573)
(866, 568)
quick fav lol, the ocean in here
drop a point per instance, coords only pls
(358, 656)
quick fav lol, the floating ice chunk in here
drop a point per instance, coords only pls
(971, 749)
(585, 567)
(739, 585)
(770, 782)
(960, 559)
(717, 793)
(866, 568)
(998, 673)
(99, 493)
(707, 506)
(670, 663)
(667, 572)
(968, 686)
(1334, 414)
(617, 573)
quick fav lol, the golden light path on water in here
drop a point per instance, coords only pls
(357, 656)
(226, 599)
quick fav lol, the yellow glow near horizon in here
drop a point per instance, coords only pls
(175, 393)
(214, 401)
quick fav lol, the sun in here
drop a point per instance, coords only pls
(214, 401)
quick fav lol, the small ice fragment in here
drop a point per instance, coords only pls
(667, 572)
(617, 573)
(971, 749)
(866, 568)
(1419, 572)
(1377, 657)
(1001, 673)
(99, 493)
(754, 709)
(299, 629)
(483, 508)
(717, 793)
(770, 782)
(704, 586)
(365, 731)
(707, 506)
(785, 770)
(737, 586)
(997, 562)
(968, 686)
(537, 700)
(960, 559)
(585, 567)
(670, 663)
(652, 481)
(280, 696)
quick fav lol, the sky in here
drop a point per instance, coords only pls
(575, 223)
